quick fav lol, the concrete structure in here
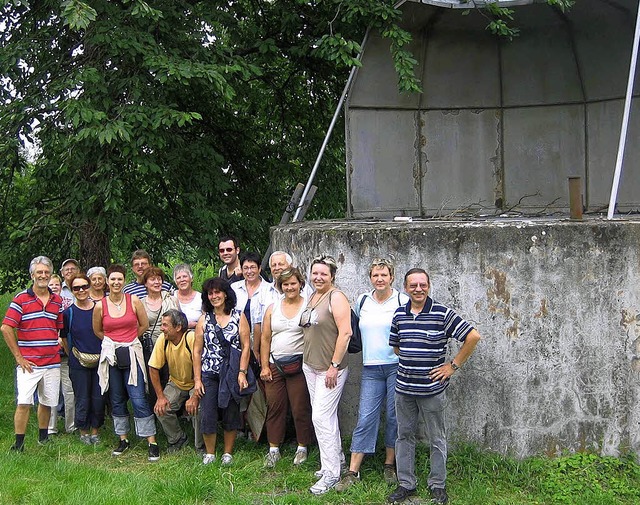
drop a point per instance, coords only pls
(558, 306)
(500, 124)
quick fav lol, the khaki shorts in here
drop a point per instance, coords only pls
(45, 380)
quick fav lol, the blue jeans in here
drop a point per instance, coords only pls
(431, 411)
(120, 390)
(378, 382)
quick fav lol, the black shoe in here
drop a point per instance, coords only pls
(44, 441)
(122, 447)
(178, 445)
(438, 495)
(400, 494)
(17, 448)
(154, 452)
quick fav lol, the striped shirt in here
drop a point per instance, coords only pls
(140, 290)
(37, 327)
(422, 341)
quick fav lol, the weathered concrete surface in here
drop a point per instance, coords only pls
(556, 302)
(499, 124)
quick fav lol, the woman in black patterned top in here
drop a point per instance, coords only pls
(219, 327)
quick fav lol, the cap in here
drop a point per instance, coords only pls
(69, 260)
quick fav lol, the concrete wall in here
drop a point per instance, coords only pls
(500, 124)
(556, 302)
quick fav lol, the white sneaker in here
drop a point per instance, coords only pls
(301, 456)
(208, 458)
(324, 485)
(227, 459)
(319, 473)
(271, 459)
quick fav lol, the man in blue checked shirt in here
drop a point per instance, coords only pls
(420, 331)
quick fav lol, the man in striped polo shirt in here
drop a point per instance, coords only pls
(30, 329)
(419, 334)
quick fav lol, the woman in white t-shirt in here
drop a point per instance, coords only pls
(189, 299)
(281, 356)
(379, 368)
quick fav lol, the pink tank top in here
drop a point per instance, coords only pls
(120, 329)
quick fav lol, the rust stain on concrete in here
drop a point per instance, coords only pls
(544, 311)
(627, 318)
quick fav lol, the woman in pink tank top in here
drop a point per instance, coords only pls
(119, 320)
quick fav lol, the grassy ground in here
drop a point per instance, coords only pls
(69, 472)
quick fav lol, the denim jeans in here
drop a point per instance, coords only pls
(430, 410)
(120, 390)
(378, 383)
(89, 400)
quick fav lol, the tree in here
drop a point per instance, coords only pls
(161, 124)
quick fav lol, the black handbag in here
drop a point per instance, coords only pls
(123, 358)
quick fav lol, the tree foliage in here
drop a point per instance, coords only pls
(163, 123)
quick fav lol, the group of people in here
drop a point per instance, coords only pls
(172, 350)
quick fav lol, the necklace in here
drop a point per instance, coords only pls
(117, 305)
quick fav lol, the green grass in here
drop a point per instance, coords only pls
(69, 472)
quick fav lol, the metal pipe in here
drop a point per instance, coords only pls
(625, 120)
(329, 131)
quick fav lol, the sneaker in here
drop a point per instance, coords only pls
(44, 441)
(438, 495)
(201, 451)
(301, 456)
(178, 445)
(85, 439)
(348, 480)
(154, 452)
(95, 439)
(271, 459)
(208, 458)
(227, 459)
(318, 474)
(389, 473)
(400, 495)
(122, 448)
(324, 485)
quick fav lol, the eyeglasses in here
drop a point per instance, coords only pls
(226, 249)
(250, 267)
(68, 270)
(84, 287)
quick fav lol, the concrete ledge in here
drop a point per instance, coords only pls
(557, 303)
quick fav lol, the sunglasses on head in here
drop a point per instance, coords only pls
(84, 287)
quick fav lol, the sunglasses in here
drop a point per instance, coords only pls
(84, 287)
(305, 318)
(228, 249)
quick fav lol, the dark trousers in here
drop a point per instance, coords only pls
(284, 391)
(88, 399)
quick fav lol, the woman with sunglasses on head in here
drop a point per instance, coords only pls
(83, 348)
(375, 310)
(281, 356)
(326, 322)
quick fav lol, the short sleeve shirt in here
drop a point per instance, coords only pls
(178, 357)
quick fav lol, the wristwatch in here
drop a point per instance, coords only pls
(454, 366)
(243, 371)
(335, 365)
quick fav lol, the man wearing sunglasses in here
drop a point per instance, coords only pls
(229, 250)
